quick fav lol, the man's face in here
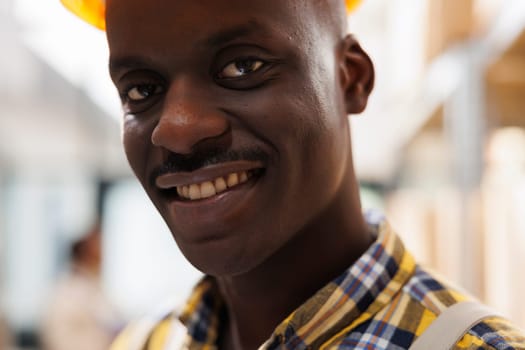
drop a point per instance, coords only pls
(234, 122)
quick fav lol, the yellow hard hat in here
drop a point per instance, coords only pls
(93, 11)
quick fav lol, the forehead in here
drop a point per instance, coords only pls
(133, 20)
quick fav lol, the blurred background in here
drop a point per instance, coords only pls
(440, 149)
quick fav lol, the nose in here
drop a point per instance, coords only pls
(187, 118)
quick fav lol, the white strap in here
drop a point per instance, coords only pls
(450, 326)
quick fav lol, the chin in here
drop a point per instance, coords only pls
(221, 258)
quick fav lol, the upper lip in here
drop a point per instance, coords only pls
(208, 173)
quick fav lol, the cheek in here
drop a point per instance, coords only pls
(317, 144)
(136, 140)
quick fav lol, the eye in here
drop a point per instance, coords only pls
(140, 93)
(240, 68)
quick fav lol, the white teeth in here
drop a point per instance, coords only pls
(233, 179)
(220, 185)
(211, 188)
(195, 192)
(207, 190)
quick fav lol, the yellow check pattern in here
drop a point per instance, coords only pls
(383, 301)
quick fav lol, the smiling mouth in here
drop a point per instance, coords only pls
(209, 189)
(210, 181)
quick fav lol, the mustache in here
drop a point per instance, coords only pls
(187, 163)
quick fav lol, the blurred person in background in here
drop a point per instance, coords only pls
(5, 336)
(78, 315)
(236, 124)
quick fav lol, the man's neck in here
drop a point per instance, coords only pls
(260, 300)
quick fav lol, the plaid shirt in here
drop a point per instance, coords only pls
(383, 301)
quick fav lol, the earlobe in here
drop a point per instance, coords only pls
(357, 75)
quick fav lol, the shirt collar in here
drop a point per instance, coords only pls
(349, 300)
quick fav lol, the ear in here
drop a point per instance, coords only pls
(357, 75)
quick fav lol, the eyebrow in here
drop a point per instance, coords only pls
(117, 64)
(230, 34)
(126, 63)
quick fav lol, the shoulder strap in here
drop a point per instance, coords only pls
(450, 326)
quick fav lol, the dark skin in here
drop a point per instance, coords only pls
(263, 87)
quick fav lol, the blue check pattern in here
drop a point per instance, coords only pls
(384, 301)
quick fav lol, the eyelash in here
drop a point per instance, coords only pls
(125, 93)
(237, 61)
(126, 100)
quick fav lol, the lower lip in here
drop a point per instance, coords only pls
(214, 218)
(215, 210)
